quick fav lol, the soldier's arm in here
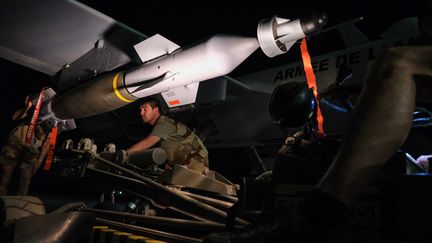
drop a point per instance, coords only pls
(144, 144)
(22, 113)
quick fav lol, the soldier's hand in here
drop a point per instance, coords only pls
(168, 166)
(28, 102)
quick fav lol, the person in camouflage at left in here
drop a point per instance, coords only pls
(17, 152)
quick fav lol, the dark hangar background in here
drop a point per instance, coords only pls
(187, 23)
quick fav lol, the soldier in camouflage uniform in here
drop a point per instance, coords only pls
(17, 152)
(181, 145)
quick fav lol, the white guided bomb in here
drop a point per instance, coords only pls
(277, 35)
(176, 72)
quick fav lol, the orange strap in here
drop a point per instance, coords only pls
(31, 127)
(310, 76)
(50, 154)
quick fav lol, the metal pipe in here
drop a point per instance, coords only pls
(208, 200)
(204, 210)
(151, 233)
(162, 221)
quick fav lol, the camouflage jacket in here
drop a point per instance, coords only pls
(179, 142)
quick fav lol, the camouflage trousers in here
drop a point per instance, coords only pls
(17, 154)
(198, 164)
(195, 162)
(23, 154)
